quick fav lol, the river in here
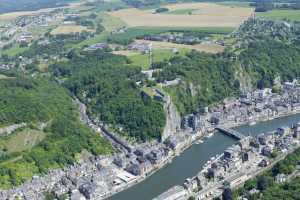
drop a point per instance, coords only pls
(191, 161)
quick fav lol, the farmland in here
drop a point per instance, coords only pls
(204, 15)
(281, 14)
(13, 15)
(209, 48)
(66, 29)
(136, 32)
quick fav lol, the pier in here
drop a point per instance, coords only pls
(230, 132)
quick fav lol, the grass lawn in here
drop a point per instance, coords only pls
(159, 55)
(293, 15)
(22, 140)
(15, 50)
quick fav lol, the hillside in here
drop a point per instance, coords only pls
(263, 51)
(107, 85)
(53, 135)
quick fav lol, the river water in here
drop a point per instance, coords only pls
(191, 161)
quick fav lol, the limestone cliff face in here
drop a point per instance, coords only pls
(173, 118)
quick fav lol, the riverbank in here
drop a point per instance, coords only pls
(200, 136)
(127, 176)
(240, 114)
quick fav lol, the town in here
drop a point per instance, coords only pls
(101, 177)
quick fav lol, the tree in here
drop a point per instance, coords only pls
(227, 194)
(264, 182)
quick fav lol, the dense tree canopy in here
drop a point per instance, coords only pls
(37, 101)
(207, 79)
(107, 84)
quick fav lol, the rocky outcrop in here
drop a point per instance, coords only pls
(10, 129)
(173, 118)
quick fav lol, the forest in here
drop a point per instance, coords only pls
(36, 101)
(107, 84)
(207, 79)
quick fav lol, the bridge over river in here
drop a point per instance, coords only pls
(230, 132)
(191, 161)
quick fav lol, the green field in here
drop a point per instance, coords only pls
(22, 140)
(134, 32)
(293, 15)
(181, 11)
(234, 3)
(15, 50)
(142, 60)
(109, 23)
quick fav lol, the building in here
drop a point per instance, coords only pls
(263, 163)
(175, 193)
(134, 169)
(282, 131)
(266, 151)
(87, 189)
(237, 180)
(232, 152)
(143, 47)
(280, 178)
(97, 46)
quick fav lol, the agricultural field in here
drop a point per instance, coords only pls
(203, 15)
(67, 29)
(136, 32)
(235, 3)
(293, 15)
(209, 48)
(189, 11)
(13, 15)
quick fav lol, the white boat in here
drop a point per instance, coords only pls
(209, 135)
(252, 123)
(199, 142)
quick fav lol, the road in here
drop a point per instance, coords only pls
(215, 190)
(116, 142)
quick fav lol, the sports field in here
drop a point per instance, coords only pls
(203, 15)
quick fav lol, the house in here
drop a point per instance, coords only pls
(87, 189)
(134, 169)
(266, 151)
(280, 178)
(263, 163)
(282, 131)
(142, 47)
(118, 161)
(76, 195)
(97, 46)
